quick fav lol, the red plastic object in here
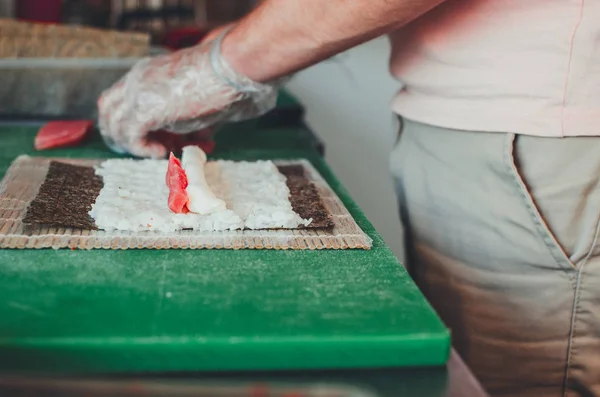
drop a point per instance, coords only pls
(183, 38)
(48, 11)
(177, 183)
(57, 134)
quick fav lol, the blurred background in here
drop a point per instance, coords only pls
(161, 18)
(346, 99)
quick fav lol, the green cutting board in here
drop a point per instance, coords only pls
(192, 310)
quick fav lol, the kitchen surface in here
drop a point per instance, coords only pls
(91, 294)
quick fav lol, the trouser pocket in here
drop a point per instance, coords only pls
(559, 183)
(521, 162)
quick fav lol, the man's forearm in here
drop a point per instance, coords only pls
(283, 36)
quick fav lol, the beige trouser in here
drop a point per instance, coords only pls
(502, 237)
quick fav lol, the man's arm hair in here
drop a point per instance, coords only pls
(281, 37)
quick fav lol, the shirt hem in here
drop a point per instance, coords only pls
(456, 114)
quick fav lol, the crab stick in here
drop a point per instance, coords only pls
(201, 199)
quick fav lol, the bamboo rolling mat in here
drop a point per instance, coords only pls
(19, 39)
(26, 174)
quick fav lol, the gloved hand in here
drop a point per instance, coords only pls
(184, 91)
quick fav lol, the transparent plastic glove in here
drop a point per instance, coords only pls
(184, 91)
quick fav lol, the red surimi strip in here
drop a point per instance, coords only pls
(176, 180)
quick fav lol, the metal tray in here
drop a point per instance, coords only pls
(58, 88)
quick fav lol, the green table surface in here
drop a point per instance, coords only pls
(204, 310)
(287, 99)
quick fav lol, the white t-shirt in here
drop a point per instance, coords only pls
(521, 66)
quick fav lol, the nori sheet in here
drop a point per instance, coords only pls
(305, 198)
(65, 198)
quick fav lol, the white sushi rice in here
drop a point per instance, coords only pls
(258, 193)
(135, 198)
